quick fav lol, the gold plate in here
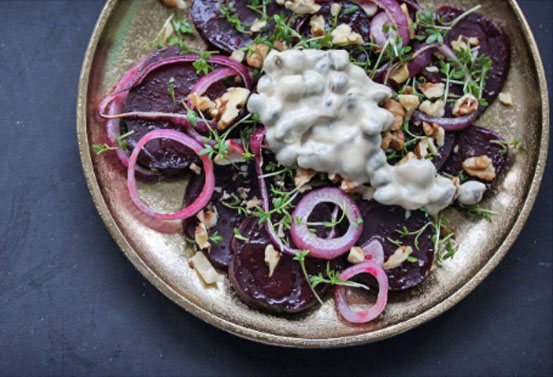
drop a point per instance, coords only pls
(119, 41)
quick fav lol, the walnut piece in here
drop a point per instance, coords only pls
(433, 90)
(317, 26)
(434, 109)
(258, 25)
(398, 140)
(347, 186)
(460, 44)
(356, 255)
(401, 75)
(335, 9)
(465, 105)
(480, 167)
(226, 107)
(506, 99)
(303, 176)
(238, 55)
(202, 237)
(343, 35)
(201, 103)
(201, 264)
(208, 217)
(256, 55)
(398, 112)
(302, 6)
(409, 102)
(398, 257)
(271, 258)
(386, 140)
(409, 156)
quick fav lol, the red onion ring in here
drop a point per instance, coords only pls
(321, 247)
(414, 5)
(374, 252)
(381, 300)
(377, 28)
(448, 124)
(209, 184)
(395, 13)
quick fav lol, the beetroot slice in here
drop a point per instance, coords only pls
(380, 222)
(472, 142)
(220, 33)
(167, 156)
(229, 180)
(493, 42)
(357, 20)
(287, 290)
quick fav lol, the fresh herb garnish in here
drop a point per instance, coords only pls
(171, 90)
(474, 211)
(515, 145)
(120, 141)
(239, 236)
(215, 238)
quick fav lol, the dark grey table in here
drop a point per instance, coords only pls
(71, 304)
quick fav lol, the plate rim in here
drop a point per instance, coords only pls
(290, 341)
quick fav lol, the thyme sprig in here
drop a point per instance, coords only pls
(515, 145)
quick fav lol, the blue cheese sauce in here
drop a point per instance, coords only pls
(322, 112)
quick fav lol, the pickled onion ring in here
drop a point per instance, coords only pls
(381, 300)
(209, 184)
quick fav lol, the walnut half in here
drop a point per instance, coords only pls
(480, 167)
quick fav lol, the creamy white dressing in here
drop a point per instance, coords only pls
(322, 112)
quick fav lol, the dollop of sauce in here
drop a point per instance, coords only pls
(322, 112)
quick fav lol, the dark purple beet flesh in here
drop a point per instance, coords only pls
(287, 290)
(380, 222)
(493, 42)
(228, 179)
(472, 142)
(443, 152)
(220, 33)
(357, 20)
(167, 156)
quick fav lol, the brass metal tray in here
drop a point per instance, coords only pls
(120, 40)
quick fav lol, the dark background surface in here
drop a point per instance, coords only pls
(70, 303)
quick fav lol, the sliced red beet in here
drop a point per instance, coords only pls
(222, 34)
(357, 19)
(286, 290)
(228, 179)
(492, 41)
(472, 142)
(381, 222)
(167, 156)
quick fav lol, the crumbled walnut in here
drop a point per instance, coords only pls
(226, 107)
(356, 255)
(343, 35)
(202, 237)
(271, 258)
(258, 25)
(280, 46)
(434, 109)
(317, 26)
(253, 202)
(398, 257)
(201, 103)
(256, 55)
(347, 186)
(465, 105)
(195, 168)
(480, 167)
(180, 4)
(398, 112)
(506, 99)
(433, 90)
(334, 178)
(208, 217)
(421, 149)
(243, 192)
(401, 75)
(201, 264)
(427, 129)
(409, 156)
(439, 135)
(398, 140)
(302, 6)
(473, 41)
(386, 140)
(303, 176)
(409, 102)
(335, 9)
(238, 55)
(460, 44)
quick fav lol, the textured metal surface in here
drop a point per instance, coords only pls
(120, 39)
